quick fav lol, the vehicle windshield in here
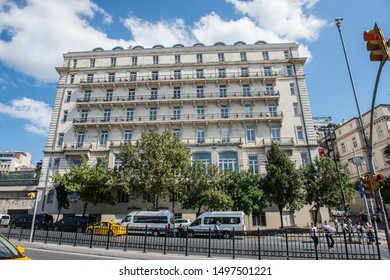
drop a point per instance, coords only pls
(7, 250)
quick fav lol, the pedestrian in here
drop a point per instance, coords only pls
(363, 233)
(217, 229)
(314, 234)
(329, 235)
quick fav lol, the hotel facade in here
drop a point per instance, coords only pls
(226, 102)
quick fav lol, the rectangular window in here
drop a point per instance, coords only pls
(84, 115)
(107, 115)
(89, 78)
(199, 57)
(275, 133)
(248, 109)
(199, 92)
(92, 62)
(153, 114)
(113, 61)
(292, 89)
(300, 133)
(243, 56)
(199, 74)
(286, 54)
(221, 57)
(176, 92)
(265, 55)
(176, 131)
(153, 93)
(155, 59)
(177, 58)
(246, 90)
(87, 96)
(133, 76)
(127, 137)
(68, 96)
(71, 79)
(134, 60)
(259, 219)
(354, 143)
(103, 137)
(201, 135)
(200, 112)
(222, 91)
(80, 139)
(129, 114)
(177, 74)
(225, 133)
(244, 72)
(295, 106)
(224, 111)
(122, 197)
(269, 89)
(74, 63)
(267, 71)
(176, 113)
(109, 94)
(65, 118)
(253, 164)
(221, 73)
(131, 94)
(155, 75)
(304, 158)
(56, 166)
(289, 70)
(380, 133)
(250, 134)
(272, 109)
(60, 139)
(111, 77)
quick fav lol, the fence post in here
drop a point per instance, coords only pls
(165, 240)
(21, 232)
(377, 243)
(62, 230)
(91, 240)
(209, 246)
(186, 251)
(146, 236)
(47, 234)
(9, 232)
(287, 252)
(127, 233)
(258, 243)
(234, 238)
(345, 243)
(108, 237)
(75, 238)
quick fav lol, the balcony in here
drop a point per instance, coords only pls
(182, 118)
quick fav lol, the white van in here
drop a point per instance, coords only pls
(4, 220)
(156, 221)
(228, 220)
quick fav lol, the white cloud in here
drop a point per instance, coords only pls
(37, 113)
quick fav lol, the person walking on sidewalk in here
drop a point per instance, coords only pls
(314, 234)
(328, 230)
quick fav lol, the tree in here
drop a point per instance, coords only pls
(203, 188)
(93, 184)
(321, 182)
(282, 184)
(151, 168)
(244, 189)
(62, 198)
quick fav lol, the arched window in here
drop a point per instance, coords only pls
(228, 160)
(205, 158)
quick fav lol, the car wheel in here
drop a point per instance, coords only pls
(226, 235)
(155, 233)
(89, 231)
(191, 234)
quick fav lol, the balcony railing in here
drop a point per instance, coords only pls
(171, 96)
(181, 118)
(153, 78)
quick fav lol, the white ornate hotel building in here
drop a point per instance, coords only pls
(227, 103)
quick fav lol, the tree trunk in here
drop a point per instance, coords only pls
(85, 207)
(281, 218)
(316, 214)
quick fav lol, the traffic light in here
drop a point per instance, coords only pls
(366, 184)
(377, 44)
(32, 195)
(378, 182)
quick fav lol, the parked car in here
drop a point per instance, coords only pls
(42, 221)
(8, 251)
(4, 220)
(182, 222)
(106, 228)
(72, 223)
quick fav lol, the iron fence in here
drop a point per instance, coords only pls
(256, 244)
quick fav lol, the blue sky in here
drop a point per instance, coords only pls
(34, 34)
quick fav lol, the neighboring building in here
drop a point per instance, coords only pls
(227, 103)
(11, 161)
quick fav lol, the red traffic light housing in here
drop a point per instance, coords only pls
(377, 44)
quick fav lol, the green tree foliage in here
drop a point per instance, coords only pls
(244, 190)
(203, 188)
(151, 168)
(62, 198)
(322, 186)
(93, 184)
(282, 184)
